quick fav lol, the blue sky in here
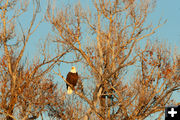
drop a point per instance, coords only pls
(167, 9)
(170, 10)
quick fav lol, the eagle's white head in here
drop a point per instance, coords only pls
(73, 69)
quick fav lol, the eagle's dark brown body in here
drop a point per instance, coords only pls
(72, 78)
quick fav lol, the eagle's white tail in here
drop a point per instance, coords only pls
(69, 91)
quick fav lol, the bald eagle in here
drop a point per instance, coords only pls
(72, 78)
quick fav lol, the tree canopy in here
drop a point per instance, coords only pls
(123, 78)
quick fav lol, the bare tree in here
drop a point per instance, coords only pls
(26, 87)
(113, 32)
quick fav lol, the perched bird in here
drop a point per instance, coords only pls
(72, 78)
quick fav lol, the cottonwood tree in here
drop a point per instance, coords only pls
(26, 87)
(114, 31)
